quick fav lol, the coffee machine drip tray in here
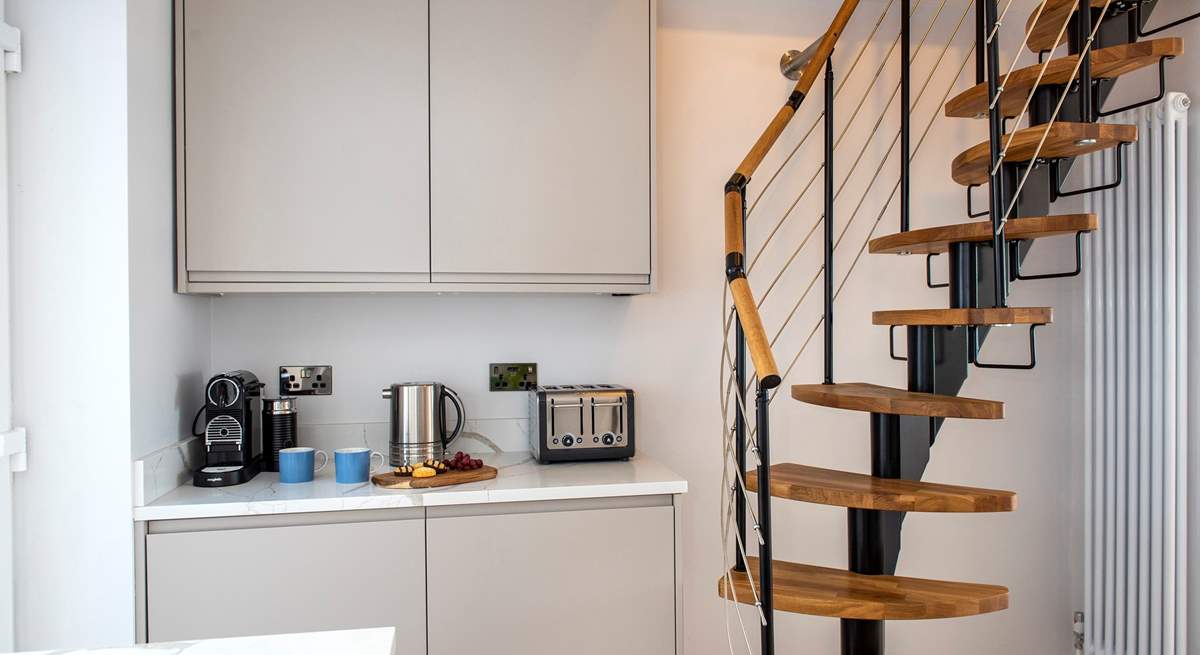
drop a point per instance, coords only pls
(224, 476)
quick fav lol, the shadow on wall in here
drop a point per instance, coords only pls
(781, 17)
(189, 396)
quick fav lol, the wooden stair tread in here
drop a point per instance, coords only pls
(964, 316)
(1065, 140)
(1107, 63)
(843, 489)
(820, 591)
(1047, 26)
(863, 397)
(932, 240)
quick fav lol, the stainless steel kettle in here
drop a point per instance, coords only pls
(418, 421)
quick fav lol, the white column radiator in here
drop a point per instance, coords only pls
(1137, 390)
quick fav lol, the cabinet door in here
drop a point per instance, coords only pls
(540, 128)
(310, 578)
(592, 582)
(306, 138)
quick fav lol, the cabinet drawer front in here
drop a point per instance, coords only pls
(541, 137)
(305, 135)
(233, 583)
(585, 582)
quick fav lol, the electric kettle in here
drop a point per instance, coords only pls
(418, 421)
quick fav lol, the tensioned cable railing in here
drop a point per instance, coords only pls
(727, 381)
(1010, 207)
(750, 334)
(858, 158)
(1084, 55)
(878, 219)
(735, 443)
(875, 177)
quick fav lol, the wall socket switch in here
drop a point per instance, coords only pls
(306, 380)
(512, 377)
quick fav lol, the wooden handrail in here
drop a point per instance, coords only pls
(735, 247)
(808, 77)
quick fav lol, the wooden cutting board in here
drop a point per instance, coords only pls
(389, 480)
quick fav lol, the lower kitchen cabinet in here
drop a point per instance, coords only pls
(212, 578)
(592, 576)
(537, 579)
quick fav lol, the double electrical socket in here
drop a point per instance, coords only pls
(512, 377)
(306, 380)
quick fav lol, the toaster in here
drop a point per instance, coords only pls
(578, 422)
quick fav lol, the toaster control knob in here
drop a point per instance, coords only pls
(387, 393)
(609, 439)
(569, 441)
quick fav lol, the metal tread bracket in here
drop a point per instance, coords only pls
(975, 347)
(892, 345)
(10, 43)
(929, 273)
(12, 446)
(1162, 91)
(1143, 33)
(1014, 248)
(1056, 180)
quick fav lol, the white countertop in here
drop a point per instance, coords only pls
(520, 479)
(372, 641)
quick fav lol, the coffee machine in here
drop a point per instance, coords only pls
(232, 436)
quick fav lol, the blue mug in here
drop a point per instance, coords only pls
(296, 464)
(353, 465)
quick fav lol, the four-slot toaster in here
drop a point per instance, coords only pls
(577, 422)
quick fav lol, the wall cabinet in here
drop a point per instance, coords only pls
(540, 120)
(414, 145)
(305, 132)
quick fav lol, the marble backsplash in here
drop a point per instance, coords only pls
(165, 469)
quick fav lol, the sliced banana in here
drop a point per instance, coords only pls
(423, 472)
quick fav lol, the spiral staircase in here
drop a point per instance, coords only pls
(1082, 47)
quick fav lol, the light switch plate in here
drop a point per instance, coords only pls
(512, 377)
(306, 380)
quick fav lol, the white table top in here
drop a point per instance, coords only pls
(520, 479)
(371, 641)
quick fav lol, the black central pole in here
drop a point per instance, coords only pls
(980, 37)
(905, 112)
(1083, 22)
(996, 128)
(766, 586)
(829, 221)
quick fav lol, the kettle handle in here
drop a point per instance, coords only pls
(447, 392)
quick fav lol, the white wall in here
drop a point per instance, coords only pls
(70, 241)
(718, 85)
(169, 333)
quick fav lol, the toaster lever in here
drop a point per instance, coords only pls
(555, 406)
(618, 403)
